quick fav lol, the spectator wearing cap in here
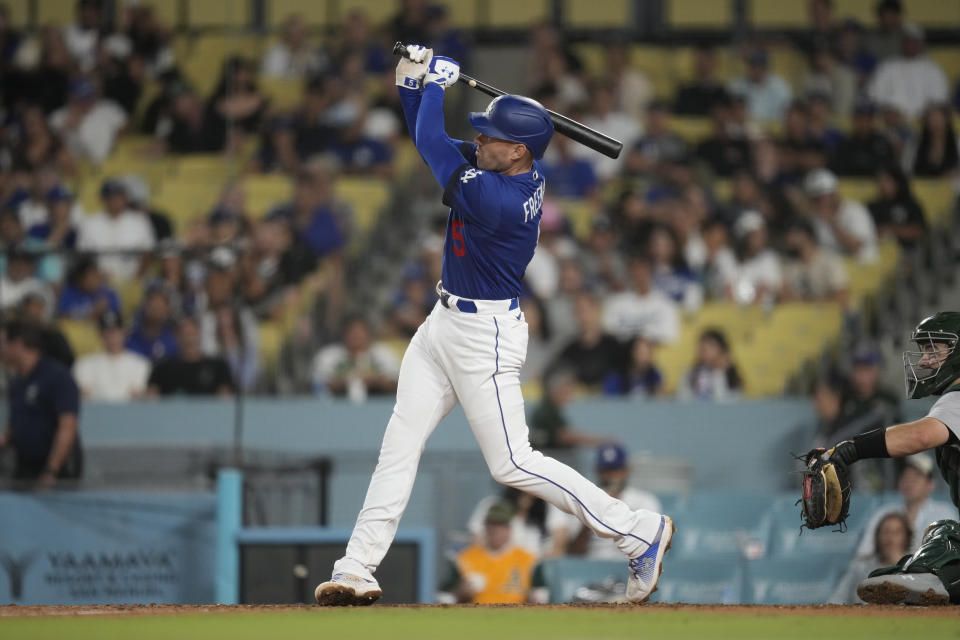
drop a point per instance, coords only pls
(228, 328)
(767, 94)
(642, 309)
(35, 309)
(612, 469)
(31, 204)
(842, 225)
(912, 81)
(190, 372)
(153, 334)
(659, 146)
(119, 234)
(114, 374)
(86, 294)
(886, 41)
(43, 406)
(185, 125)
(867, 404)
(853, 53)
(713, 376)
(828, 77)
(699, 96)
(915, 484)
(757, 277)
(570, 176)
(19, 279)
(292, 56)
(726, 150)
(865, 149)
(56, 235)
(812, 273)
(821, 32)
(493, 570)
(896, 211)
(88, 124)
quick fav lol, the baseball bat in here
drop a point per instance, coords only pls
(569, 127)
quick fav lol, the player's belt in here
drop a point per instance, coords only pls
(465, 305)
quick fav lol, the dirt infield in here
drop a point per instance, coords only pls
(15, 611)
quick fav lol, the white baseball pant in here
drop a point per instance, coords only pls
(475, 358)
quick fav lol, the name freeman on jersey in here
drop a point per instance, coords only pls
(531, 208)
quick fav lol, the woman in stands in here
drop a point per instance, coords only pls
(938, 153)
(891, 541)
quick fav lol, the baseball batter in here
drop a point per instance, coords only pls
(932, 574)
(471, 347)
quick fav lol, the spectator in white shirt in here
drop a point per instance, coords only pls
(767, 94)
(117, 228)
(292, 56)
(812, 273)
(357, 366)
(83, 36)
(633, 90)
(605, 116)
(19, 279)
(757, 277)
(87, 123)
(844, 226)
(912, 81)
(641, 310)
(713, 375)
(114, 374)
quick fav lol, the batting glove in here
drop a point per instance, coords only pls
(443, 71)
(410, 71)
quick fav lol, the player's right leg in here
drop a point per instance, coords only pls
(424, 398)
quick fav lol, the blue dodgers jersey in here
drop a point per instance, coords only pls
(492, 229)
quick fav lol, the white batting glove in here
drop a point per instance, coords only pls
(410, 71)
(443, 71)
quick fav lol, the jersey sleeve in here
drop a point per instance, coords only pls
(476, 194)
(947, 411)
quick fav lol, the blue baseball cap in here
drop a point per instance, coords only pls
(59, 193)
(611, 456)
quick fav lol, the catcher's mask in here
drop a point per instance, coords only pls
(936, 363)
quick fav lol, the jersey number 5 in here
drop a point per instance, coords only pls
(456, 233)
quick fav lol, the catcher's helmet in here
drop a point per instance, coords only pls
(517, 119)
(931, 369)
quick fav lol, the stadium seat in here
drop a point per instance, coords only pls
(789, 541)
(949, 59)
(209, 168)
(377, 11)
(510, 14)
(265, 192)
(934, 14)
(186, 201)
(597, 15)
(938, 198)
(579, 214)
(463, 15)
(797, 581)
(82, 336)
(699, 14)
(19, 15)
(717, 525)
(862, 10)
(367, 197)
(315, 14)
(693, 130)
(61, 12)
(271, 340)
(208, 53)
(218, 13)
(284, 93)
(763, 14)
(167, 12)
(704, 580)
(564, 576)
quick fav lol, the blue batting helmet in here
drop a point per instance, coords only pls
(517, 119)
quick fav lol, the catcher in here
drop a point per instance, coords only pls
(931, 576)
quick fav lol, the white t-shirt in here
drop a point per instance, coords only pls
(628, 314)
(617, 125)
(854, 218)
(909, 84)
(334, 360)
(129, 230)
(762, 270)
(280, 62)
(93, 138)
(600, 548)
(112, 378)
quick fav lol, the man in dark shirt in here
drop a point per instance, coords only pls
(698, 97)
(54, 345)
(44, 403)
(865, 150)
(191, 372)
(726, 151)
(593, 354)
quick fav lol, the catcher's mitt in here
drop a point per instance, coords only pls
(826, 489)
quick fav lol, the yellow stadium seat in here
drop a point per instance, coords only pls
(377, 11)
(265, 192)
(206, 167)
(366, 197)
(218, 13)
(462, 15)
(676, 358)
(579, 213)
(937, 197)
(167, 12)
(764, 14)
(578, 14)
(131, 293)
(62, 12)
(270, 341)
(699, 14)
(692, 130)
(510, 13)
(82, 336)
(186, 201)
(949, 60)
(862, 10)
(861, 190)
(19, 14)
(315, 14)
(406, 157)
(284, 93)
(208, 53)
(934, 14)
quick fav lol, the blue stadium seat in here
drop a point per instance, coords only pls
(719, 524)
(565, 575)
(787, 541)
(793, 581)
(700, 581)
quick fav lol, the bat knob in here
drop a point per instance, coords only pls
(400, 49)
